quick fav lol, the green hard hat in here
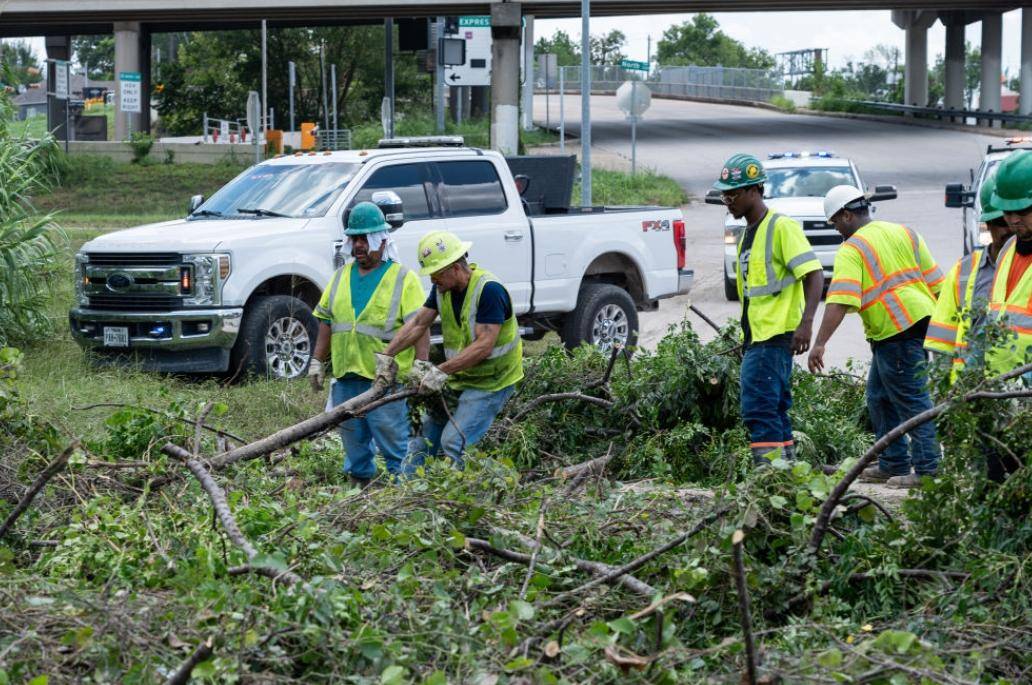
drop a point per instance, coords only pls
(739, 171)
(985, 197)
(1014, 182)
(365, 217)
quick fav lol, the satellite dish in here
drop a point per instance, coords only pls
(633, 98)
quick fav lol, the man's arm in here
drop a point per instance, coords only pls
(322, 343)
(487, 334)
(833, 315)
(423, 346)
(813, 286)
(412, 332)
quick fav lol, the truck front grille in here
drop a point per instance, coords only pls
(135, 302)
(134, 258)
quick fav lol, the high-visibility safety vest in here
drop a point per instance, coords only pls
(886, 272)
(354, 341)
(1014, 310)
(504, 366)
(775, 265)
(953, 316)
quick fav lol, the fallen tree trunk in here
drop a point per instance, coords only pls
(37, 485)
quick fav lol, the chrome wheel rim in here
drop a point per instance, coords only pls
(610, 327)
(287, 348)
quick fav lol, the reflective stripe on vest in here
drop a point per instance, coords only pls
(387, 332)
(1015, 312)
(968, 270)
(773, 286)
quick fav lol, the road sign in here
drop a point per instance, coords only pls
(129, 91)
(60, 80)
(475, 30)
(634, 65)
(633, 98)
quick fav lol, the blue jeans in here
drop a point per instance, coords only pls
(472, 418)
(766, 399)
(897, 391)
(386, 427)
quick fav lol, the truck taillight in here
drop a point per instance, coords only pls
(679, 243)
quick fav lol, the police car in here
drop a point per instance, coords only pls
(796, 186)
(975, 233)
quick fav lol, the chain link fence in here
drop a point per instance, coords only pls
(719, 83)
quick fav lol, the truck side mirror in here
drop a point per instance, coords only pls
(390, 204)
(522, 183)
(958, 196)
(195, 202)
(883, 193)
(713, 197)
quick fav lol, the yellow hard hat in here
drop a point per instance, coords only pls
(439, 249)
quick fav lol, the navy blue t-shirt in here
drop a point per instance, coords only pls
(494, 308)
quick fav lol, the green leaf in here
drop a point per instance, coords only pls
(622, 625)
(830, 659)
(457, 539)
(205, 669)
(519, 664)
(777, 501)
(524, 611)
(867, 514)
(393, 675)
(40, 680)
(220, 408)
(436, 678)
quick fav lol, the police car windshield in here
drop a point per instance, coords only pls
(806, 181)
(291, 190)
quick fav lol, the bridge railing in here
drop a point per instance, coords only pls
(946, 114)
(718, 83)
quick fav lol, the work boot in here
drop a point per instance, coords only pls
(874, 474)
(362, 483)
(788, 452)
(911, 480)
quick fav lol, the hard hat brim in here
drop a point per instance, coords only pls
(368, 229)
(1005, 205)
(722, 186)
(450, 259)
(991, 216)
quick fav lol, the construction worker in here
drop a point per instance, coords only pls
(366, 303)
(963, 300)
(779, 281)
(482, 345)
(1010, 299)
(885, 272)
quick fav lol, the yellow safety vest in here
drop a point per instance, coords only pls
(354, 341)
(1015, 311)
(504, 366)
(896, 280)
(948, 329)
(778, 259)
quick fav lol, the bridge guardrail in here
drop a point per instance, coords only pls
(718, 83)
(945, 113)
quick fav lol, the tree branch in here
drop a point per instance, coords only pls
(538, 401)
(182, 674)
(738, 566)
(41, 480)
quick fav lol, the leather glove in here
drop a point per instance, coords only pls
(433, 381)
(316, 374)
(418, 371)
(386, 370)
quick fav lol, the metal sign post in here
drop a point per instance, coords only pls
(585, 81)
(265, 78)
(562, 111)
(633, 100)
(292, 73)
(439, 77)
(333, 92)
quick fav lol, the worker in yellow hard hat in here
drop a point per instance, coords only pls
(482, 347)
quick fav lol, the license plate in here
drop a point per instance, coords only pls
(116, 336)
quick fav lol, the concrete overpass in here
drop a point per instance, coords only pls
(133, 21)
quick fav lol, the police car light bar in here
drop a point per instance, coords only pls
(422, 141)
(800, 155)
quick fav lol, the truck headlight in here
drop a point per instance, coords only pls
(202, 278)
(81, 259)
(984, 237)
(731, 234)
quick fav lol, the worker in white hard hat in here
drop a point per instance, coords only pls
(885, 272)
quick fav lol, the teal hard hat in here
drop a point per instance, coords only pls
(739, 171)
(365, 217)
(1014, 182)
(985, 197)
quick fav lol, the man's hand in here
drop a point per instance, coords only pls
(386, 370)
(316, 374)
(816, 359)
(428, 379)
(801, 337)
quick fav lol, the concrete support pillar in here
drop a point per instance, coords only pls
(58, 47)
(1025, 106)
(992, 49)
(915, 77)
(954, 67)
(528, 73)
(130, 43)
(505, 76)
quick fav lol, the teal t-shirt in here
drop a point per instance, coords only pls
(363, 287)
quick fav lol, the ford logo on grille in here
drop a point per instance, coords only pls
(119, 281)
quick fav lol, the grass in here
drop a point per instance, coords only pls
(644, 188)
(783, 103)
(476, 133)
(35, 127)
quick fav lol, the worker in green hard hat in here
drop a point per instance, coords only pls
(482, 346)
(366, 303)
(779, 281)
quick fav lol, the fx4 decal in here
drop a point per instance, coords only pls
(655, 225)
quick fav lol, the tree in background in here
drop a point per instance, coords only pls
(22, 67)
(972, 76)
(606, 49)
(701, 42)
(560, 44)
(96, 54)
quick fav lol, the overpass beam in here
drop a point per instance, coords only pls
(915, 77)
(528, 73)
(1025, 103)
(505, 76)
(954, 66)
(132, 53)
(58, 47)
(992, 49)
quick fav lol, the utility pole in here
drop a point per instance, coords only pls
(333, 92)
(439, 76)
(388, 74)
(585, 84)
(322, 73)
(292, 80)
(265, 79)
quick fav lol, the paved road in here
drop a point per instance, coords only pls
(689, 142)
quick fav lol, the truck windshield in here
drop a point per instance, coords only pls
(299, 191)
(806, 181)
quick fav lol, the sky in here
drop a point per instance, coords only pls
(847, 35)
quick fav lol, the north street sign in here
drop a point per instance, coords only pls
(634, 65)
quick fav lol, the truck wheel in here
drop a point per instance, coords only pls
(730, 290)
(277, 337)
(605, 315)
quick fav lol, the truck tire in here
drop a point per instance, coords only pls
(730, 290)
(276, 339)
(605, 315)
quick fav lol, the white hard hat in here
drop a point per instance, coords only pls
(840, 196)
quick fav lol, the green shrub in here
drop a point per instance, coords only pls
(783, 103)
(141, 144)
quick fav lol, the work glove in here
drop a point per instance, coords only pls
(316, 374)
(386, 371)
(432, 380)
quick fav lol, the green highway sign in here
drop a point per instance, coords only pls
(634, 65)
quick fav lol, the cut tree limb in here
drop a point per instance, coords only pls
(182, 674)
(738, 566)
(555, 397)
(37, 485)
(705, 318)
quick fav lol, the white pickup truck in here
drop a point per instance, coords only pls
(231, 286)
